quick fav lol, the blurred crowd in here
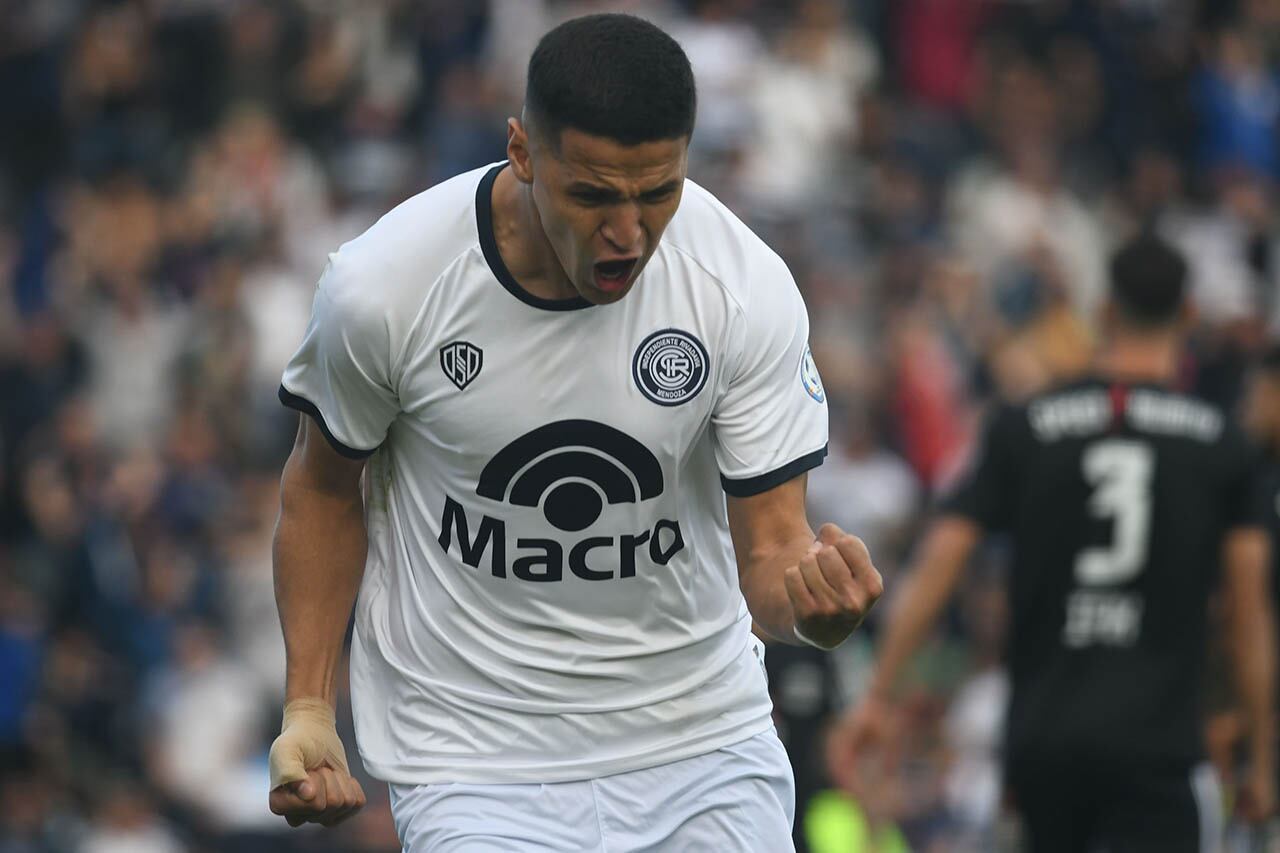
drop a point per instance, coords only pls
(944, 177)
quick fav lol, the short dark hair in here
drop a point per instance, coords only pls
(611, 75)
(1148, 281)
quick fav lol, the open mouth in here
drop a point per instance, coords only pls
(612, 275)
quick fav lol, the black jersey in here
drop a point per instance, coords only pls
(1117, 497)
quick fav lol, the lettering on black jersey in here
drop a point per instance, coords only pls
(1170, 414)
(1077, 413)
(1090, 411)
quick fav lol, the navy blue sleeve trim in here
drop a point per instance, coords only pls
(764, 482)
(302, 404)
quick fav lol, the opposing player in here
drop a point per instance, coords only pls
(1122, 498)
(551, 371)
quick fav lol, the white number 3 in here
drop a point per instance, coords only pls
(1120, 473)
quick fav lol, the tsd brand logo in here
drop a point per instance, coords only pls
(461, 362)
(570, 470)
(670, 367)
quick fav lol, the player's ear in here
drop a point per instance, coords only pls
(518, 151)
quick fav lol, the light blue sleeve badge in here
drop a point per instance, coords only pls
(809, 377)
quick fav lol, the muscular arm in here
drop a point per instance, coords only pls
(770, 533)
(318, 555)
(1251, 637)
(823, 586)
(925, 590)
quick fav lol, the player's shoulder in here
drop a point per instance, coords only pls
(727, 251)
(395, 261)
(1082, 394)
(1181, 414)
(1069, 408)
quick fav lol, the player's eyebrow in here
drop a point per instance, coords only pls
(662, 190)
(596, 192)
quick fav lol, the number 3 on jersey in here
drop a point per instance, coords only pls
(1120, 473)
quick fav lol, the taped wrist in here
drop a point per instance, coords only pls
(308, 739)
(806, 640)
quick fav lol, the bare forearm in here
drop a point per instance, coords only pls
(1251, 634)
(921, 597)
(798, 585)
(1253, 644)
(319, 555)
(766, 592)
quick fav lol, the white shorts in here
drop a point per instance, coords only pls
(739, 799)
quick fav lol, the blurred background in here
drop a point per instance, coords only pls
(945, 179)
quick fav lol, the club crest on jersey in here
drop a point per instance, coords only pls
(809, 377)
(461, 362)
(670, 367)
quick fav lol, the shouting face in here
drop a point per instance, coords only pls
(602, 205)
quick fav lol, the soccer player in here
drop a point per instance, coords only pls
(1122, 498)
(551, 372)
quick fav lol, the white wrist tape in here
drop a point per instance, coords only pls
(810, 642)
(308, 739)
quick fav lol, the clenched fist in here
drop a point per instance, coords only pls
(310, 780)
(832, 588)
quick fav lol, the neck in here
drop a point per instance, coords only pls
(1146, 357)
(523, 244)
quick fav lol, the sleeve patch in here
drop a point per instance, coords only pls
(809, 377)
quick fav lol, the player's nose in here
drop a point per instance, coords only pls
(622, 229)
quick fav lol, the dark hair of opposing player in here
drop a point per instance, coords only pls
(1148, 282)
(610, 75)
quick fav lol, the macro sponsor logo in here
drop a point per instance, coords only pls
(570, 470)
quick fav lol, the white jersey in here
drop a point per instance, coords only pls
(551, 592)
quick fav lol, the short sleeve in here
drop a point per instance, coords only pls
(1248, 500)
(985, 491)
(341, 374)
(770, 424)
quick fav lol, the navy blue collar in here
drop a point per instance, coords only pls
(489, 245)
